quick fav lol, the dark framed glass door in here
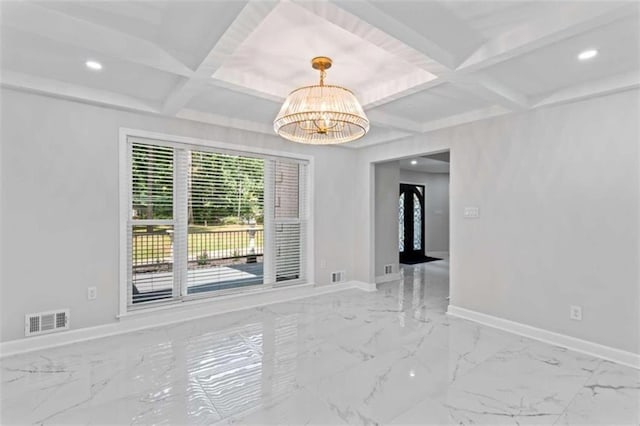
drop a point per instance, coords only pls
(411, 222)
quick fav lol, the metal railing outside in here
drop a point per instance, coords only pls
(153, 251)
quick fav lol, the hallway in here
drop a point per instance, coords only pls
(388, 357)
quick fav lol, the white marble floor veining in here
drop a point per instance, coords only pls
(350, 357)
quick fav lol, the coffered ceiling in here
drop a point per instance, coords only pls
(414, 65)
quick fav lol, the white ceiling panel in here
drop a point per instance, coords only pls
(217, 100)
(187, 29)
(557, 66)
(190, 29)
(492, 18)
(301, 35)
(41, 57)
(435, 103)
(141, 19)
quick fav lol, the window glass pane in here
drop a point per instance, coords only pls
(401, 223)
(151, 263)
(417, 223)
(152, 182)
(225, 189)
(225, 232)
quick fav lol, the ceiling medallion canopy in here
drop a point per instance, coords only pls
(321, 114)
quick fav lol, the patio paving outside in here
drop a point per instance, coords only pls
(158, 285)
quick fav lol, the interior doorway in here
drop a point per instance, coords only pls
(411, 223)
(422, 236)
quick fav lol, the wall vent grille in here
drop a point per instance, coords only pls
(338, 276)
(46, 322)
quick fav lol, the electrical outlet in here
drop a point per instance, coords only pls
(471, 212)
(323, 264)
(575, 312)
(92, 293)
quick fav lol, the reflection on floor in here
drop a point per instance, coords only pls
(390, 357)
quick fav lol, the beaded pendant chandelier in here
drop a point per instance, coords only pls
(321, 114)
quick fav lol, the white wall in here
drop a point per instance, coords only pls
(387, 178)
(436, 206)
(60, 209)
(558, 192)
(557, 189)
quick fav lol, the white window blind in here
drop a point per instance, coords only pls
(152, 197)
(204, 221)
(289, 221)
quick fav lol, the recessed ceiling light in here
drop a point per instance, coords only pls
(414, 162)
(587, 54)
(93, 65)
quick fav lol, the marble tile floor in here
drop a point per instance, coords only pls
(350, 357)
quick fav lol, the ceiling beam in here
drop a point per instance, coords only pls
(387, 92)
(215, 82)
(54, 25)
(434, 24)
(383, 119)
(465, 117)
(605, 86)
(60, 89)
(490, 90)
(575, 18)
(247, 20)
(379, 16)
(224, 121)
(376, 138)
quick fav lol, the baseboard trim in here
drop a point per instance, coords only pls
(438, 254)
(364, 286)
(608, 353)
(388, 277)
(142, 321)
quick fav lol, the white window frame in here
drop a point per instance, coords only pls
(124, 208)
